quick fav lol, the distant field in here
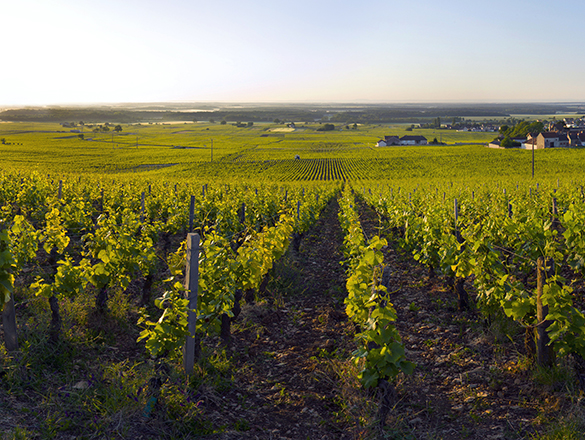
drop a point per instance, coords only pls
(557, 116)
(263, 152)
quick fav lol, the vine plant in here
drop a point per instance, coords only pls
(368, 304)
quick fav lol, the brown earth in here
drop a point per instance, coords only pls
(294, 379)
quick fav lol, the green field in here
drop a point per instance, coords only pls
(267, 152)
(104, 215)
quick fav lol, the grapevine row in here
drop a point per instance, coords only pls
(98, 236)
(495, 238)
(368, 304)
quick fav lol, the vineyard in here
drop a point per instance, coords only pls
(395, 294)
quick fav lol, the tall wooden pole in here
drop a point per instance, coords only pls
(533, 158)
(191, 349)
(191, 213)
(544, 349)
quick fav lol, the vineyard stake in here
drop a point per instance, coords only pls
(60, 191)
(142, 197)
(555, 212)
(544, 351)
(242, 213)
(191, 350)
(462, 296)
(9, 325)
(191, 213)
(533, 159)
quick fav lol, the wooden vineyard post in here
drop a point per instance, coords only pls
(191, 350)
(555, 213)
(142, 199)
(60, 190)
(191, 213)
(9, 325)
(533, 158)
(544, 350)
(242, 213)
(462, 296)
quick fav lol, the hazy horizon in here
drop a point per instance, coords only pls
(376, 52)
(292, 103)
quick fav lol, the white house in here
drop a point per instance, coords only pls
(404, 140)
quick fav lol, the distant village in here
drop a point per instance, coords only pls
(565, 133)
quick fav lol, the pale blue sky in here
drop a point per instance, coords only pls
(79, 51)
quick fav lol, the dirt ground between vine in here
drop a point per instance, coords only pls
(294, 377)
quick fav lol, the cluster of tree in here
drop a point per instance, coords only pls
(105, 128)
(436, 142)
(521, 129)
(326, 127)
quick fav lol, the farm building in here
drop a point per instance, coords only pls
(555, 139)
(529, 144)
(413, 140)
(404, 140)
(388, 140)
(576, 139)
(552, 139)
